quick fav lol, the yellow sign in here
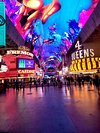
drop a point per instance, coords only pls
(23, 48)
(85, 64)
(25, 71)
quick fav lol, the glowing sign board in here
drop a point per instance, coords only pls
(25, 71)
(85, 64)
(23, 63)
(84, 59)
(82, 53)
(17, 52)
(2, 25)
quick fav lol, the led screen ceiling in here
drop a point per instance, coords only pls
(50, 26)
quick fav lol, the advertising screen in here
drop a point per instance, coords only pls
(23, 63)
(2, 25)
(36, 18)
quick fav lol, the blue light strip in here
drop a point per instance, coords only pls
(2, 25)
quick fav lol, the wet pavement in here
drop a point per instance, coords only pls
(50, 110)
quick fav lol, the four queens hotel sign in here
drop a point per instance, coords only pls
(82, 53)
(84, 59)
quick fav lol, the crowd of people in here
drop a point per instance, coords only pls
(21, 83)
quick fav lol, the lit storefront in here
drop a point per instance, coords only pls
(85, 58)
(17, 63)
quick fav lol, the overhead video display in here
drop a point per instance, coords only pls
(23, 63)
(61, 15)
(44, 22)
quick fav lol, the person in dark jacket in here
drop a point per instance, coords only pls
(5, 85)
(17, 84)
(97, 83)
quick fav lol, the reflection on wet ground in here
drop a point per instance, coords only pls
(71, 109)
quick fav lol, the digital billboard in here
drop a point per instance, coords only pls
(23, 63)
(49, 26)
(2, 24)
(49, 16)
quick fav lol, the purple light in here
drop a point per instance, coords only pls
(23, 63)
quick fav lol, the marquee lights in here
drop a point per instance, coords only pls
(23, 48)
(84, 59)
(16, 52)
(85, 64)
(81, 53)
(25, 71)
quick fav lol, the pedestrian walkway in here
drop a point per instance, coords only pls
(50, 110)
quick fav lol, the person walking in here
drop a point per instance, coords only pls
(17, 84)
(97, 83)
(30, 83)
(5, 85)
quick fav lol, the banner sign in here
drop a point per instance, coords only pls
(2, 25)
(84, 58)
(23, 63)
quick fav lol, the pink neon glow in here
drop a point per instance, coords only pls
(85, 14)
(40, 12)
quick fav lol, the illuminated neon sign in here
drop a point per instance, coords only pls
(23, 48)
(23, 63)
(2, 25)
(16, 52)
(25, 71)
(83, 59)
(85, 64)
(82, 53)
